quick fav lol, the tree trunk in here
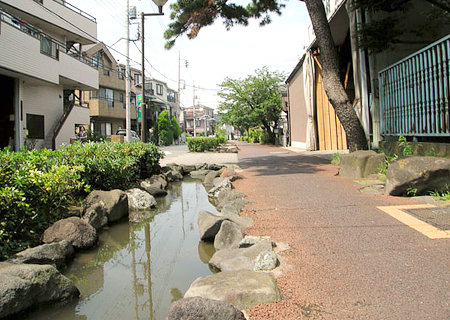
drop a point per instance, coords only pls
(356, 138)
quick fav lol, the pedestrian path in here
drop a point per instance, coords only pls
(181, 155)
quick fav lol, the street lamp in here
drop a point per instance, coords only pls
(160, 4)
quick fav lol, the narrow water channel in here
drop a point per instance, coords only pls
(139, 268)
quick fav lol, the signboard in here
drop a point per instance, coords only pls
(139, 98)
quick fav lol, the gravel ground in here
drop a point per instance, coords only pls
(346, 259)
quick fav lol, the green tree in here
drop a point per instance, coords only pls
(165, 131)
(257, 97)
(190, 16)
(175, 128)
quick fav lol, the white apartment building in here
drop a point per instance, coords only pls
(41, 69)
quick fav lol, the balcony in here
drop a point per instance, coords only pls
(56, 17)
(40, 56)
(100, 107)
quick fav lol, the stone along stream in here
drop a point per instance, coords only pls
(139, 268)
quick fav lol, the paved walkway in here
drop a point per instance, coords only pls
(348, 258)
(181, 155)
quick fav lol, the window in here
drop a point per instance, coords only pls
(137, 80)
(121, 97)
(171, 96)
(121, 73)
(106, 94)
(102, 128)
(106, 72)
(95, 61)
(35, 126)
(132, 99)
(159, 89)
(49, 48)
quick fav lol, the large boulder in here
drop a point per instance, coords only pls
(75, 230)
(266, 260)
(57, 253)
(231, 174)
(23, 286)
(361, 163)
(229, 236)
(217, 194)
(199, 174)
(208, 225)
(158, 181)
(173, 175)
(100, 204)
(198, 308)
(225, 260)
(188, 168)
(209, 178)
(417, 174)
(233, 207)
(154, 190)
(140, 200)
(242, 289)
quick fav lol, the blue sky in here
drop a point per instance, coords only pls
(214, 55)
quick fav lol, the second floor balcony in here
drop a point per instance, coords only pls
(28, 51)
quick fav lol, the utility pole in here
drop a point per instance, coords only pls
(128, 84)
(193, 108)
(143, 105)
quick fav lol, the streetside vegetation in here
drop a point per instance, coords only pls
(253, 101)
(168, 129)
(37, 186)
(256, 135)
(202, 144)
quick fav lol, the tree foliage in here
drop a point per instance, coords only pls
(390, 28)
(189, 16)
(253, 101)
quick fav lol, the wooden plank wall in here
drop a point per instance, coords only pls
(331, 134)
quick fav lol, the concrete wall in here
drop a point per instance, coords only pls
(297, 111)
(79, 115)
(71, 25)
(46, 100)
(20, 52)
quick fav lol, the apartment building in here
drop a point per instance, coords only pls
(107, 104)
(41, 68)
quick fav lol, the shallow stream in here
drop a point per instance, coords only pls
(139, 268)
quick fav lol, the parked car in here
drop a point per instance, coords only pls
(134, 136)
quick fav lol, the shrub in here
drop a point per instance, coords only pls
(254, 135)
(202, 144)
(36, 186)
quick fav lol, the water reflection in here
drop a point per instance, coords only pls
(139, 268)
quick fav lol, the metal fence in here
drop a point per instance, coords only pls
(414, 93)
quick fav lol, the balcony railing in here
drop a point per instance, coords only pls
(73, 8)
(49, 46)
(414, 93)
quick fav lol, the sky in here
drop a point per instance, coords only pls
(212, 56)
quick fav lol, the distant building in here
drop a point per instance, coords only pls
(41, 68)
(107, 104)
(204, 117)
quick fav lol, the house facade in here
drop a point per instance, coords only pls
(313, 123)
(41, 69)
(107, 104)
(205, 121)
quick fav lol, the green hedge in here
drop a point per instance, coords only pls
(36, 186)
(202, 144)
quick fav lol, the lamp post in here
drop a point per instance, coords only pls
(160, 4)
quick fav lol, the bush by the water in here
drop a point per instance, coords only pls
(202, 144)
(36, 186)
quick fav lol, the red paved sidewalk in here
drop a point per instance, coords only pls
(348, 259)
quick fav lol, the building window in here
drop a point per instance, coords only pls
(121, 97)
(48, 47)
(106, 72)
(95, 61)
(35, 126)
(106, 94)
(159, 89)
(171, 96)
(137, 80)
(102, 128)
(121, 73)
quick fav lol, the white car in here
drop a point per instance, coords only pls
(134, 136)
